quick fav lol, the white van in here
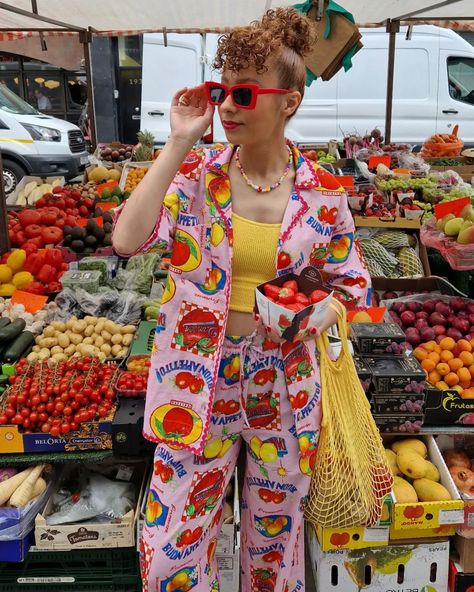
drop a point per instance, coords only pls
(35, 144)
(433, 86)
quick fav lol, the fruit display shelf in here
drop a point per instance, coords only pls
(79, 456)
(398, 223)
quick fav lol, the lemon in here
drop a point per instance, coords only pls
(255, 445)
(226, 445)
(217, 234)
(268, 452)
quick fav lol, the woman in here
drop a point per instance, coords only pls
(234, 218)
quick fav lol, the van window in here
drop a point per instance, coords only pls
(461, 79)
(11, 103)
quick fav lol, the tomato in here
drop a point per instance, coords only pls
(55, 431)
(25, 412)
(59, 406)
(43, 417)
(44, 398)
(231, 407)
(3, 419)
(34, 417)
(182, 379)
(67, 411)
(65, 428)
(49, 407)
(10, 412)
(33, 230)
(45, 428)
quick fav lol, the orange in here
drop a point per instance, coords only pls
(471, 370)
(430, 345)
(451, 379)
(442, 386)
(467, 358)
(455, 364)
(420, 353)
(465, 345)
(447, 343)
(446, 355)
(471, 341)
(434, 377)
(443, 369)
(464, 375)
(468, 393)
(434, 356)
(428, 365)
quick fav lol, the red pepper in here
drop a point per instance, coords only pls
(34, 262)
(30, 248)
(37, 241)
(20, 238)
(54, 257)
(52, 235)
(286, 296)
(271, 291)
(58, 189)
(292, 285)
(35, 288)
(46, 274)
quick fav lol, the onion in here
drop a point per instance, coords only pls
(408, 318)
(457, 303)
(442, 308)
(456, 457)
(429, 306)
(454, 333)
(463, 479)
(437, 319)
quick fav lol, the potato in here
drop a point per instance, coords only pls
(48, 342)
(116, 349)
(36, 349)
(106, 349)
(89, 330)
(107, 336)
(102, 357)
(71, 322)
(128, 329)
(49, 331)
(59, 326)
(44, 354)
(99, 327)
(122, 353)
(79, 327)
(70, 350)
(39, 338)
(56, 350)
(88, 350)
(99, 341)
(75, 338)
(111, 327)
(63, 340)
(88, 341)
(32, 357)
(127, 339)
(91, 320)
(59, 358)
(116, 339)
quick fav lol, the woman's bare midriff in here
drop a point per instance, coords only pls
(240, 323)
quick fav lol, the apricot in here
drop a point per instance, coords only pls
(468, 393)
(471, 370)
(446, 355)
(435, 377)
(434, 356)
(464, 345)
(428, 365)
(455, 364)
(464, 375)
(467, 358)
(451, 379)
(442, 386)
(420, 353)
(447, 343)
(443, 369)
(430, 345)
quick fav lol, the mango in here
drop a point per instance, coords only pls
(430, 491)
(412, 443)
(392, 461)
(412, 464)
(452, 227)
(441, 223)
(432, 473)
(404, 492)
(465, 225)
(466, 236)
(467, 213)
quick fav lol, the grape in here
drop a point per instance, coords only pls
(402, 428)
(409, 406)
(417, 407)
(389, 348)
(403, 407)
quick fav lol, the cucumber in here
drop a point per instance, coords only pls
(4, 322)
(12, 330)
(4, 378)
(15, 350)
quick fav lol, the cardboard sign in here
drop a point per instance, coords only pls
(451, 207)
(32, 302)
(82, 222)
(385, 159)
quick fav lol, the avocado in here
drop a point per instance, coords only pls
(107, 217)
(78, 233)
(77, 246)
(88, 250)
(90, 241)
(107, 240)
(67, 239)
(107, 227)
(106, 193)
(99, 234)
(67, 230)
(116, 192)
(99, 212)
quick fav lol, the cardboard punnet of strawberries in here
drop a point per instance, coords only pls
(292, 306)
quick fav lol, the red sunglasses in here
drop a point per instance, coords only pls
(243, 96)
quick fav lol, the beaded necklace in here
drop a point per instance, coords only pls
(259, 188)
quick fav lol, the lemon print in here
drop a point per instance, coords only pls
(212, 448)
(255, 445)
(170, 289)
(217, 234)
(226, 446)
(304, 466)
(428, 589)
(268, 452)
(180, 578)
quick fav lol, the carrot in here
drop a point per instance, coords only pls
(455, 131)
(8, 487)
(24, 493)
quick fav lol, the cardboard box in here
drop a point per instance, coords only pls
(93, 435)
(395, 374)
(429, 519)
(11, 199)
(415, 285)
(465, 549)
(388, 224)
(363, 372)
(413, 567)
(399, 404)
(464, 169)
(359, 537)
(444, 408)
(458, 580)
(91, 535)
(127, 428)
(399, 423)
(229, 571)
(131, 165)
(374, 338)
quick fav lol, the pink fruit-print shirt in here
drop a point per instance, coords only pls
(317, 229)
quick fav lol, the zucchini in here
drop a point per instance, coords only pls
(16, 349)
(4, 322)
(12, 330)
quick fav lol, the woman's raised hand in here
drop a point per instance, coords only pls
(191, 114)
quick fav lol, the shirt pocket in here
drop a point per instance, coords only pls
(191, 256)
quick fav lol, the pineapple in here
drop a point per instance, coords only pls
(144, 149)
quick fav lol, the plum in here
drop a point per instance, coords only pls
(420, 324)
(429, 306)
(437, 318)
(439, 329)
(413, 336)
(414, 306)
(457, 303)
(454, 333)
(408, 318)
(427, 334)
(442, 308)
(422, 315)
(399, 307)
(461, 324)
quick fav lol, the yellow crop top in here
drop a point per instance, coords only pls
(254, 246)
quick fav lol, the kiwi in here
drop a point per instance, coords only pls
(77, 246)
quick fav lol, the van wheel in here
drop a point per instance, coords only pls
(12, 174)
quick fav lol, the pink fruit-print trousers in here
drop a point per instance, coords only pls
(185, 502)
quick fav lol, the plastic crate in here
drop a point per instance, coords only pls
(87, 570)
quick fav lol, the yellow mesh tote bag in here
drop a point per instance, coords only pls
(350, 477)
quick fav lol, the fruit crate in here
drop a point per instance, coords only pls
(94, 570)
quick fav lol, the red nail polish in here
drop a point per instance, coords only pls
(313, 331)
(268, 329)
(257, 317)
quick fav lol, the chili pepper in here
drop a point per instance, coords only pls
(34, 262)
(46, 274)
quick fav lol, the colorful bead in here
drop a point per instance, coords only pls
(259, 188)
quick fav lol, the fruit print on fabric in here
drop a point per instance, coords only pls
(327, 181)
(318, 255)
(219, 189)
(146, 556)
(183, 580)
(156, 512)
(176, 422)
(263, 411)
(297, 361)
(263, 579)
(216, 446)
(198, 330)
(215, 281)
(169, 291)
(229, 369)
(186, 254)
(188, 381)
(272, 526)
(192, 165)
(205, 493)
(340, 247)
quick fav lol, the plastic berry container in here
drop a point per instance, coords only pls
(131, 384)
